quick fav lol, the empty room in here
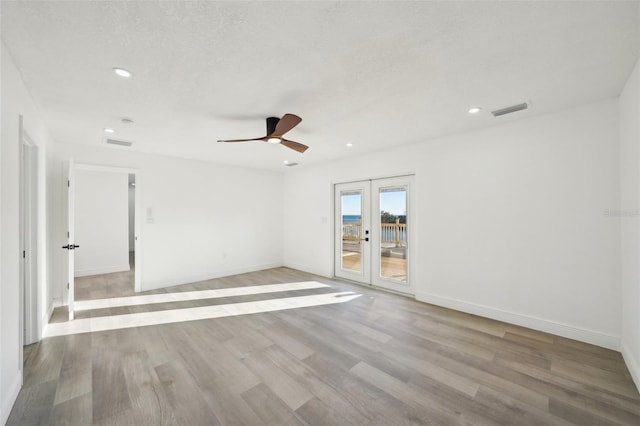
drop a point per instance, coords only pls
(320, 213)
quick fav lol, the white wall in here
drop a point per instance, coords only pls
(209, 220)
(16, 101)
(509, 220)
(629, 217)
(101, 222)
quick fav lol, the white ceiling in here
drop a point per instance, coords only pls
(376, 74)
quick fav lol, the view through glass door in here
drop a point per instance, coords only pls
(353, 231)
(373, 232)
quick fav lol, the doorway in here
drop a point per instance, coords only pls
(29, 238)
(103, 238)
(373, 233)
(132, 220)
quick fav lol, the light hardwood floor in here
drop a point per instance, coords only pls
(381, 359)
(106, 285)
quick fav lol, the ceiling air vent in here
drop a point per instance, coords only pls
(291, 164)
(509, 110)
(117, 142)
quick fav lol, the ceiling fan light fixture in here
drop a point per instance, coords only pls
(276, 128)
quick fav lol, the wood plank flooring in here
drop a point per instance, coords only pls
(106, 285)
(381, 359)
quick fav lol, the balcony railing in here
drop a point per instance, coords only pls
(395, 233)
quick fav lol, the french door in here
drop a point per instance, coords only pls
(372, 235)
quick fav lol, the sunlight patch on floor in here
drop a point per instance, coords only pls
(89, 325)
(149, 299)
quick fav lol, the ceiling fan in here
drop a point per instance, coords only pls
(276, 128)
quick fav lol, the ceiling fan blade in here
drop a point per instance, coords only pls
(241, 140)
(294, 145)
(286, 123)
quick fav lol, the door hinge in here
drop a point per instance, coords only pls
(67, 234)
(24, 254)
(68, 184)
(67, 286)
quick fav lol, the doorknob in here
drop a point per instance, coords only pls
(364, 239)
(70, 246)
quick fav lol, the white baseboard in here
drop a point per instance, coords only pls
(12, 395)
(45, 319)
(53, 304)
(153, 285)
(565, 330)
(633, 364)
(308, 270)
(105, 270)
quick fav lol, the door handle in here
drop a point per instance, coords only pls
(364, 239)
(70, 246)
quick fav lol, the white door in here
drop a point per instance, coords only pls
(373, 232)
(71, 246)
(390, 233)
(352, 219)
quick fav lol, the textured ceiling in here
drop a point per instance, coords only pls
(376, 74)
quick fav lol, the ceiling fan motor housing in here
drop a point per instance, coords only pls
(271, 124)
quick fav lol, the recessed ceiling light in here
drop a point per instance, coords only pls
(122, 72)
(273, 140)
(474, 110)
(349, 145)
(108, 130)
(286, 161)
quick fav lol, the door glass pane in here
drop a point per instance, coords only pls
(393, 233)
(351, 202)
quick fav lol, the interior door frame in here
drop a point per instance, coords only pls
(28, 231)
(138, 247)
(409, 289)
